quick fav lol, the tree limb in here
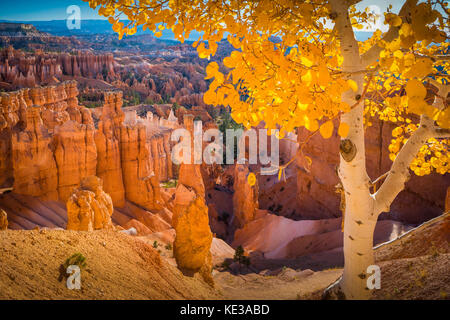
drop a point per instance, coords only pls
(399, 173)
(371, 55)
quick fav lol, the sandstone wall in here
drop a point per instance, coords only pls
(50, 143)
(22, 70)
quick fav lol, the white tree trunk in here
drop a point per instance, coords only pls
(361, 207)
(359, 220)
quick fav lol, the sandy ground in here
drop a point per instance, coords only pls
(118, 267)
(280, 287)
(417, 266)
(125, 267)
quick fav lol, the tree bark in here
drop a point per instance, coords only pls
(359, 221)
(361, 207)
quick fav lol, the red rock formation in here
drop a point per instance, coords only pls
(107, 140)
(3, 220)
(34, 167)
(193, 235)
(89, 207)
(75, 154)
(24, 70)
(141, 184)
(48, 145)
(245, 197)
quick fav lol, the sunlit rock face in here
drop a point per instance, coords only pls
(190, 219)
(34, 167)
(47, 141)
(245, 197)
(141, 183)
(50, 143)
(22, 70)
(133, 154)
(75, 154)
(193, 235)
(107, 140)
(89, 207)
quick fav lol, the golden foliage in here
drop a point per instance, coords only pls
(297, 80)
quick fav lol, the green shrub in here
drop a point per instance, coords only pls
(240, 257)
(75, 259)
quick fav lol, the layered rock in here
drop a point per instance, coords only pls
(75, 155)
(107, 140)
(193, 236)
(89, 207)
(245, 197)
(89, 65)
(47, 141)
(190, 219)
(141, 183)
(22, 70)
(133, 155)
(34, 167)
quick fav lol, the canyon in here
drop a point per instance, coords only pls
(85, 145)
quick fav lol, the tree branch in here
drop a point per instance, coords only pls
(441, 133)
(399, 173)
(371, 55)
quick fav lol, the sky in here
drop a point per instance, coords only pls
(42, 10)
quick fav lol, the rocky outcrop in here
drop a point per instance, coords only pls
(190, 219)
(141, 183)
(133, 155)
(88, 65)
(34, 167)
(75, 155)
(48, 141)
(193, 235)
(107, 140)
(89, 207)
(50, 144)
(3, 220)
(245, 197)
(24, 70)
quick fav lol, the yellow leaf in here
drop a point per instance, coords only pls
(324, 76)
(397, 131)
(211, 70)
(420, 69)
(308, 160)
(209, 97)
(392, 19)
(326, 129)
(251, 179)
(343, 129)
(415, 88)
(352, 85)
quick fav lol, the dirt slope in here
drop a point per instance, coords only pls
(118, 267)
(414, 266)
(429, 238)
